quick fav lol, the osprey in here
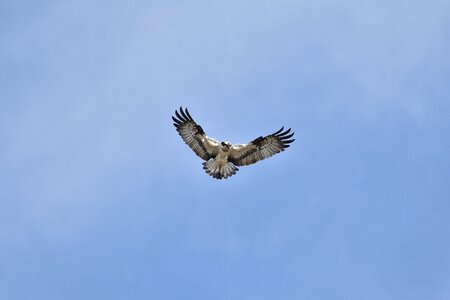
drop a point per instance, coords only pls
(223, 158)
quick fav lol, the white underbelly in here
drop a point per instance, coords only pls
(222, 158)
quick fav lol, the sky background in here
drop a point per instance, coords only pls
(101, 199)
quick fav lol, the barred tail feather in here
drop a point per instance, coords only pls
(219, 170)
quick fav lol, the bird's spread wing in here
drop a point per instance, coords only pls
(260, 148)
(194, 136)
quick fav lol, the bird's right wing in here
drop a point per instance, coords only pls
(260, 148)
(194, 136)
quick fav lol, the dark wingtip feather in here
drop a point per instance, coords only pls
(176, 120)
(281, 135)
(287, 136)
(275, 133)
(179, 116)
(189, 115)
(176, 112)
(184, 114)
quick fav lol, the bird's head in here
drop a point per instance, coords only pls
(226, 145)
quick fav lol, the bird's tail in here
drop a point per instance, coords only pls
(219, 170)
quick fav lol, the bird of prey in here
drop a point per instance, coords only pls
(222, 159)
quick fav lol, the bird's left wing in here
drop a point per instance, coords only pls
(194, 136)
(260, 148)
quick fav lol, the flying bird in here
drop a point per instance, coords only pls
(222, 159)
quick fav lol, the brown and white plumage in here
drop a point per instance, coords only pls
(222, 158)
(260, 148)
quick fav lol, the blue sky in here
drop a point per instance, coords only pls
(101, 199)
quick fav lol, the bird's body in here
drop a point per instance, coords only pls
(222, 158)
